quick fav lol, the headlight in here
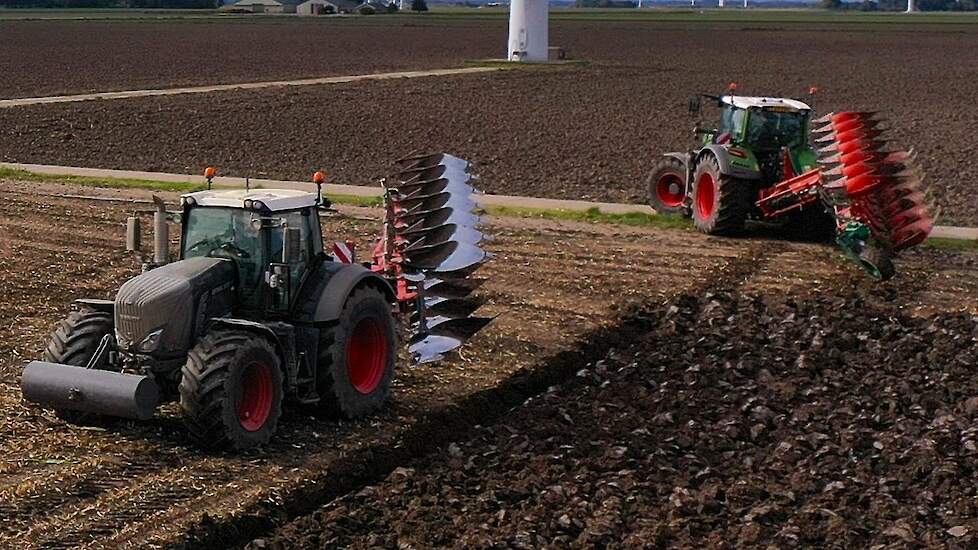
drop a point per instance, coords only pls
(122, 341)
(151, 342)
(259, 205)
(248, 203)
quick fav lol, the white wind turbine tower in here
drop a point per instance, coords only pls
(528, 30)
(911, 6)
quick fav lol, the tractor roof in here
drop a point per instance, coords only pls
(745, 102)
(273, 199)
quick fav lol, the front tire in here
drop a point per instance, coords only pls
(357, 354)
(231, 390)
(720, 202)
(73, 342)
(666, 186)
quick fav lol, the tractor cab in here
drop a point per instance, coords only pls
(271, 236)
(765, 134)
(763, 122)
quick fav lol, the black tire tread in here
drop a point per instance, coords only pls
(73, 342)
(663, 164)
(733, 205)
(331, 352)
(77, 336)
(203, 391)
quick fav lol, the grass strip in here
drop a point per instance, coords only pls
(89, 181)
(961, 245)
(593, 215)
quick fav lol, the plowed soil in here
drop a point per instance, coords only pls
(733, 420)
(585, 132)
(43, 58)
(561, 291)
(142, 485)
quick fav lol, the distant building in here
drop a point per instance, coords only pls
(259, 6)
(317, 7)
(325, 7)
(307, 7)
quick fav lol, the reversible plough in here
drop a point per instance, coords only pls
(875, 195)
(430, 246)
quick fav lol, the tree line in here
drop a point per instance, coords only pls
(901, 5)
(144, 4)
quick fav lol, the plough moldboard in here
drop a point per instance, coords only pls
(430, 246)
(876, 195)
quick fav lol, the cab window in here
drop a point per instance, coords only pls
(774, 129)
(226, 233)
(732, 121)
(302, 221)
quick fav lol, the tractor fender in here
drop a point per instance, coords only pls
(341, 284)
(687, 167)
(104, 306)
(727, 168)
(681, 157)
(250, 326)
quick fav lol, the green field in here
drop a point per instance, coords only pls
(727, 15)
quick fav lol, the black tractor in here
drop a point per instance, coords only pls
(255, 313)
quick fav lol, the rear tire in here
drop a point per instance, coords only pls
(666, 186)
(231, 390)
(356, 356)
(720, 203)
(73, 342)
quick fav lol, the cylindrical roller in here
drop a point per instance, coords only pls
(102, 392)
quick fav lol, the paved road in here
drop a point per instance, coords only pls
(7, 103)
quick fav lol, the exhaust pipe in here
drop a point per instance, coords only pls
(161, 233)
(58, 386)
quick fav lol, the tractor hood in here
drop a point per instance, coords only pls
(159, 312)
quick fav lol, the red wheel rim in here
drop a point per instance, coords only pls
(706, 195)
(669, 189)
(366, 355)
(255, 403)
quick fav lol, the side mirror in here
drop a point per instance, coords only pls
(291, 245)
(133, 237)
(694, 104)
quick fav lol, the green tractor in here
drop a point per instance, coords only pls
(759, 142)
(836, 177)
